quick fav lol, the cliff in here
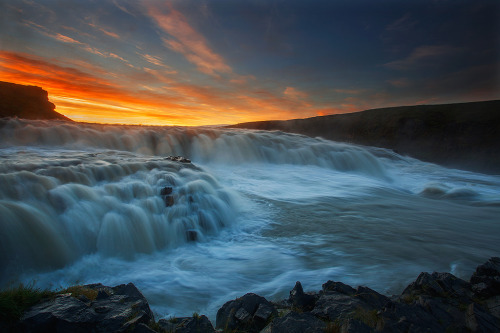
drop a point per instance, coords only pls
(465, 136)
(29, 102)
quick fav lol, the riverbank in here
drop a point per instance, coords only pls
(437, 302)
(462, 136)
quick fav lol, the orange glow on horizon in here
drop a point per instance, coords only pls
(94, 98)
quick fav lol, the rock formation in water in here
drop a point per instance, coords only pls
(465, 135)
(437, 302)
(29, 102)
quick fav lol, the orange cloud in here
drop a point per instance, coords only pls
(78, 94)
(86, 92)
(294, 93)
(187, 41)
(104, 31)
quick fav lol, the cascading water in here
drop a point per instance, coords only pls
(254, 212)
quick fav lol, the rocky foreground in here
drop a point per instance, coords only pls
(437, 302)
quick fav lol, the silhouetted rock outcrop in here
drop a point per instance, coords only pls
(29, 102)
(464, 135)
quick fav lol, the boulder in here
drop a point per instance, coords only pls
(115, 309)
(338, 287)
(192, 324)
(486, 279)
(371, 297)
(294, 322)
(479, 320)
(333, 306)
(249, 313)
(443, 285)
(301, 300)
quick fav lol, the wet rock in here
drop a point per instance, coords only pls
(294, 322)
(264, 312)
(166, 190)
(486, 279)
(443, 285)
(493, 305)
(371, 297)
(193, 324)
(192, 235)
(166, 194)
(178, 159)
(142, 328)
(249, 313)
(301, 300)
(62, 314)
(338, 287)
(478, 320)
(116, 309)
(169, 200)
(333, 305)
(355, 326)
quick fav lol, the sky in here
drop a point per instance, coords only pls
(207, 62)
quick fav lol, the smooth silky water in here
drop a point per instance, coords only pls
(81, 204)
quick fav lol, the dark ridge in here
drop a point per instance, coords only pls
(464, 135)
(28, 102)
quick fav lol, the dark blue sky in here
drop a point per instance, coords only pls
(226, 61)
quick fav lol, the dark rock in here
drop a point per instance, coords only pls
(118, 309)
(301, 300)
(29, 102)
(264, 312)
(486, 279)
(371, 297)
(166, 190)
(294, 322)
(192, 235)
(101, 294)
(478, 320)
(338, 287)
(62, 314)
(169, 200)
(167, 325)
(142, 328)
(178, 159)
(493, 305)
(401, 317)
(333, 305)
(443, 285)
(246, 313)
(83, 298)
(193, 324)
(355, 326)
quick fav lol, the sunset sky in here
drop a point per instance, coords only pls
(201, 62)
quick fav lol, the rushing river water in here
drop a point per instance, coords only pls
(81, 204)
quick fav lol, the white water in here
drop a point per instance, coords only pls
(81, 204)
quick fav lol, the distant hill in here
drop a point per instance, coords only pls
(465, 135)
(29, 102)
